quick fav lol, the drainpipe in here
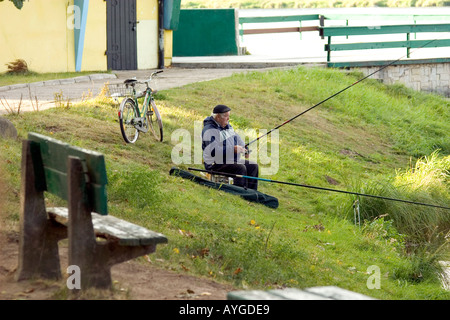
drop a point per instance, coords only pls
(161, 34)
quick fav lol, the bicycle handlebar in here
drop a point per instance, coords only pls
(151, 76)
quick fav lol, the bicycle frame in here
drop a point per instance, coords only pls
(146, 116)
(148, 97)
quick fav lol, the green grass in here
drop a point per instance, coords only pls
(369, 137)
(31, 76)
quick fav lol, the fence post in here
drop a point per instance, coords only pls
(408, 49)
(346, 24)
(329, 50)
(322, 24)
(300, 29)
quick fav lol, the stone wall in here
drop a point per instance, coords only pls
(428, 77)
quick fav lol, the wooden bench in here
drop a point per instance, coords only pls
(96, 240)
(315, 293)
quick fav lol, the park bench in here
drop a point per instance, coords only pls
(96, 240)
(314, 293)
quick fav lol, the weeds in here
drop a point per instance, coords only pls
(35, 103)
(60, 101)
(105, 92)
(422, 233)
(11, 108)
(87, 96)
(17, 66)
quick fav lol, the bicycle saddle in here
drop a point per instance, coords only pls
(130, 81)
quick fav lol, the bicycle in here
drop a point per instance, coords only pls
(132, 119)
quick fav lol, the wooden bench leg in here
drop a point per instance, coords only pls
(115, 253)
(82, 243)
(38, 243)
(94, 259)
(107, 255)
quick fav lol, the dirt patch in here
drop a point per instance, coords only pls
(133, 280)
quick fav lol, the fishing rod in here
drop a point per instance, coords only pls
(318, 188)
(333, 95)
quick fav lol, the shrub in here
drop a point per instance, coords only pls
(17, 66)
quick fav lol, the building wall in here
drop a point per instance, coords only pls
(168, 47)
(147, 33)
(42, 33)
(147, 36)
(94, 57)
(206, 32)
(427, 77)
(38, 34)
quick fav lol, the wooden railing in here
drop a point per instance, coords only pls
(411, 18)
(390, 29)
(293, 18)
(416, 26)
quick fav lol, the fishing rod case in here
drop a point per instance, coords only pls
(247, 194)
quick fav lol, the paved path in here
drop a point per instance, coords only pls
(74, 89)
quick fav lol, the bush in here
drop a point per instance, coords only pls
(425, 182)
(17, 66)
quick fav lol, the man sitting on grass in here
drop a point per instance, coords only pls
(222, 149)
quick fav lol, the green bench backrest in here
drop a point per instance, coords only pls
(50, 160)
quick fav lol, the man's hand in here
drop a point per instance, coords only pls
(239, 149)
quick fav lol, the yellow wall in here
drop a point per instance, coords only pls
(147, 36)
(42, 34)
(168, 47)
(38, 34)
(147, 33)
(94, 57)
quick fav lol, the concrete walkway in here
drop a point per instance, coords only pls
(43, 95)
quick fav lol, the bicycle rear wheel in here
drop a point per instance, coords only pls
(127, 115)
(155, 122)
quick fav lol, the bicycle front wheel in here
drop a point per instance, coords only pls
(127, 118)
(155, 122)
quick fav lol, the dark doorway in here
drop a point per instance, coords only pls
(121, 34)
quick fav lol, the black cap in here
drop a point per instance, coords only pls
(220, 108)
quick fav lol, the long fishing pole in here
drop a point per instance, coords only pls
(333, 95)
(318, 188)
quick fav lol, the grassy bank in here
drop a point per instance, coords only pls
(30, 76)
(369, 137)
(281, 4)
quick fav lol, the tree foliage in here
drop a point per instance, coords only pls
(17, 3)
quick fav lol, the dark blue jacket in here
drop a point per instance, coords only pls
(218, 143)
